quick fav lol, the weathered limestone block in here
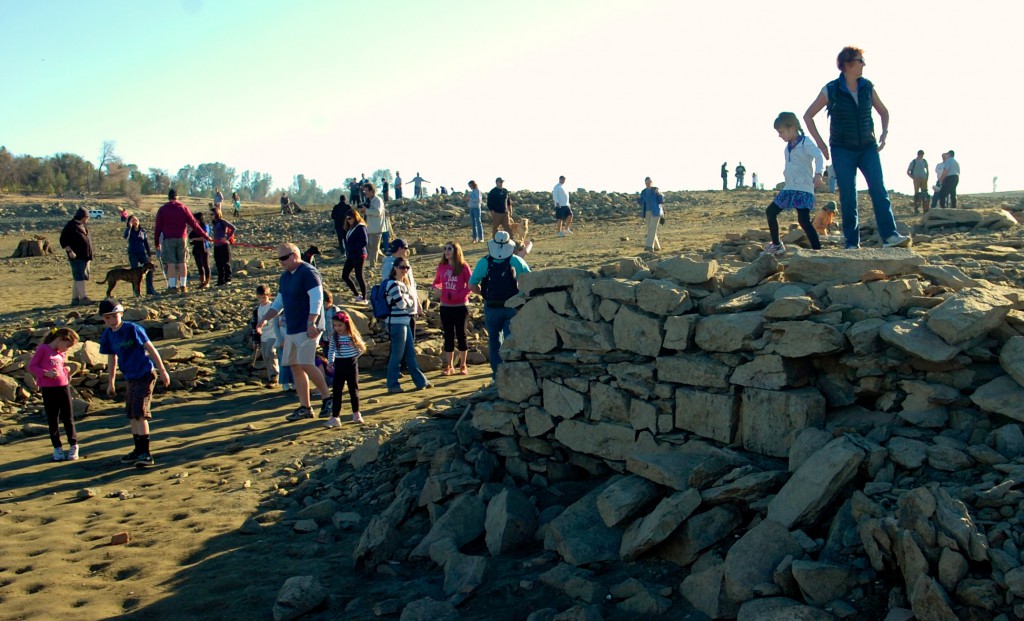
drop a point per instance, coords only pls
(925, 404)
(692, 465)
(770, 372)
(533, 328)
(538, 422)
(662, 297)
(650, 530)
(584, 299)
(796, 307)
(769, 419)
(914, 337)
(510, 521)
(699, 533)
(617, 289)
(462, 522)
(562, 401)
(816, 483)
(561, 303)
(607, 440)
(686, 271)
(693, 370)
(729, 333)
(637, 331)
(580, 536)
(624, 497)
(864, 336)
(796, 339)
(885, 297)
(585, 335)
(608, 404)
(753, 558)
(679, 330)
(948, 276)
(645, 415)
(710, 415)
(516, 381)
(1011, 358)
(754, 272)
(487, 418)
(536, 281)
(1002, 396)
(818, 266)
(967, 314)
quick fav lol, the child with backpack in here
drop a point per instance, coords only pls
(495, 277)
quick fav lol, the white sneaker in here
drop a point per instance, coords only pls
(896, 241)
(357, 417)
(72, 454)
(58, 454)
(333, 423)
(568, 231)
(773, 248)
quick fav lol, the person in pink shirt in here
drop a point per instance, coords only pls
(452, 278)
(173, 221)
(49, 366)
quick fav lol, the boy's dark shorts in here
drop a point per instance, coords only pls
(138, 394)
(563, 212)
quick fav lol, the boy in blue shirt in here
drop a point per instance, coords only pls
(128, 343)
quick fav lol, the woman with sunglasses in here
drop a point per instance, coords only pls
(356, 241)
(452, 278)
(402, 301)
(850, 99)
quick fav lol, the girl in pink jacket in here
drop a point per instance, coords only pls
(49, 365)
(452, 278)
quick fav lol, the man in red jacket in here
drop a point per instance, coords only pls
(173, 221)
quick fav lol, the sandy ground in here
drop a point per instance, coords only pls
(220, 455)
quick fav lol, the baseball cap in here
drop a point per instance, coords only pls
(110, 306)
(499, 180)
(397, 244)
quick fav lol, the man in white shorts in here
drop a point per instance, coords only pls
(300, 296)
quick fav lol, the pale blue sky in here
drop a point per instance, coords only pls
(602, 91)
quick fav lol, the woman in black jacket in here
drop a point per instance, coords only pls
(74, 239)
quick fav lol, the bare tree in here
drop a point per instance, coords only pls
(106, 157)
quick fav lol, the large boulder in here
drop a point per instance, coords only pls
(820, 266)
(967, 314)
(816, 483)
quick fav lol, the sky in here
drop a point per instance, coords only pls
(604, 92)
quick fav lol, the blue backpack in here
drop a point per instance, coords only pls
(379, 300)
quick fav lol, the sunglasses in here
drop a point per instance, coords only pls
(401, 267)
(284, 257)
(448, 248)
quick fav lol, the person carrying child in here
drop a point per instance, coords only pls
(49, 366)
(804, 163)
(127, 343)
(824, 219)
(345, 347)
(265, 343)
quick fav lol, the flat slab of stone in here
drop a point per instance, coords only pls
(967, 314)
(579, 534)
(1003, 396)
(555, 278)
(815, 267)
(692, 465)
(815, 483)
(914, 337)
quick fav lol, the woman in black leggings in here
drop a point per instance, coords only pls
(356, 240)
(452, 278)
(201, 250)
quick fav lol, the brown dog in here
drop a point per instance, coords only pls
(133, 275)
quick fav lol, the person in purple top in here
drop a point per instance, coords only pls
(356, 241)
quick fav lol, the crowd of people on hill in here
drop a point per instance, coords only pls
(305, 339)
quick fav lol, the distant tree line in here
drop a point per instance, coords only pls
(67, 173)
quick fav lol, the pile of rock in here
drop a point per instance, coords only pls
(799, 442)
(36, 247)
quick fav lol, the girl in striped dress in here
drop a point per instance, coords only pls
(344, 349)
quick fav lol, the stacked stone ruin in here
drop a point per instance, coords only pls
(791, 438)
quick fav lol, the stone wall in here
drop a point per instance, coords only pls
(852, 406)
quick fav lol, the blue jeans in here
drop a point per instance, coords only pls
(846, 163)
(475, 223)
(497, 320)
(832, 184)
(138, 260)
(403, 348)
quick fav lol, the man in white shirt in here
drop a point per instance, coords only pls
(563, 212)
(949, 178)
(937, 194)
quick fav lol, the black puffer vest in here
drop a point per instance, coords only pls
(851, 126)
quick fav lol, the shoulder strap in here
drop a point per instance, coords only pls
(830, 90)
